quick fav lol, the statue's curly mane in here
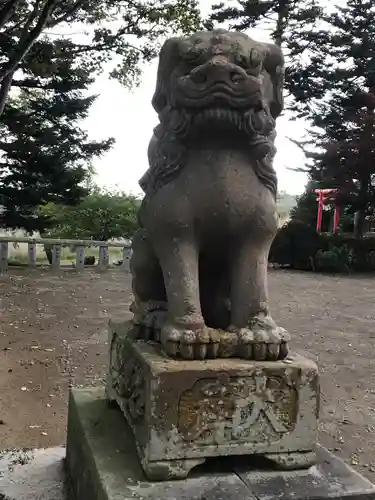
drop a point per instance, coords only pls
(167, 156)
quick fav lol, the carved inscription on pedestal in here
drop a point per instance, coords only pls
(128, 380)
(256, 408)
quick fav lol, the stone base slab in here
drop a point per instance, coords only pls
(33, 474)
(183, 412)
(102, 464)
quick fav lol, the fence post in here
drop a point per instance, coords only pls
(56, 257)
(126, 254)
(80, 258)
(32, 254)
(103, 258)
(3, 257)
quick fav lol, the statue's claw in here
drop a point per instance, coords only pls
(262, 340)
(189, 340)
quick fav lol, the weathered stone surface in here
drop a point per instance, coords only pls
(330, 478)
(209, 213)
(102, 460)
(102, 464)
(182, 412)
(32, 474)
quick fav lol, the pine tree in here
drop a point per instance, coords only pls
(45, 155)
(287, 21)
(338, 86)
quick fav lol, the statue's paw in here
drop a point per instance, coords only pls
(262, 340)
(148, 324)
(190, 341)
(274, 337)
(245, 343)
(228, 344)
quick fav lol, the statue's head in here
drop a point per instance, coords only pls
(219, 79)
(215, 86)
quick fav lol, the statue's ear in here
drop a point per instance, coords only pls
(274, 65)
(168, 58)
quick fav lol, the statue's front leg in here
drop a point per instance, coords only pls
(259, 337)
(184, 332)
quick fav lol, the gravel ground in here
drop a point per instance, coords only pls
(53, 334)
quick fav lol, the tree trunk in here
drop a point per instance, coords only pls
(282, 22)
(27, 40)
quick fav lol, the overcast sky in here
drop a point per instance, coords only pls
(129, 118)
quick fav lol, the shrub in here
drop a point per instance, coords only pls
(336, 259)
(298, 246)
(362, 250)
(295, 246)
(90, 260)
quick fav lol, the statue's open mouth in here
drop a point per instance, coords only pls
(221, 97)
(249, 121)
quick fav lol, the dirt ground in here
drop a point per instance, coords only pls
(53, 335)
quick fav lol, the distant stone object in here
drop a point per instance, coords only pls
(208, 219)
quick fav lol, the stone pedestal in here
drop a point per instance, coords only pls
(184, 412)
(102, 464)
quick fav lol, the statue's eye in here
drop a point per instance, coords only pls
(255, 58)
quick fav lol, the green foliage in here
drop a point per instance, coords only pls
(339, 100)
(298, 246)
(286, 20)
(361, 251)
(101, 216)
(335, 259)
(295, 245)
(45, 155)
(118, 33)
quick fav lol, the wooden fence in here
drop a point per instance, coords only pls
(79, 247)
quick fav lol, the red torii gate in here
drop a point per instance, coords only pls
(325, 195)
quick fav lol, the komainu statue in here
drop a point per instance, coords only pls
(208, 217)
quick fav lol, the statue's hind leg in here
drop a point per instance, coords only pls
(259, 337)
(150, 302)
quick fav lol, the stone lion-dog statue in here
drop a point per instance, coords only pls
(208, 218)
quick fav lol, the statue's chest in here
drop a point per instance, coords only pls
(224, 185)
(213, 194)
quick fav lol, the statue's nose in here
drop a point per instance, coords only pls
(211, 73)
